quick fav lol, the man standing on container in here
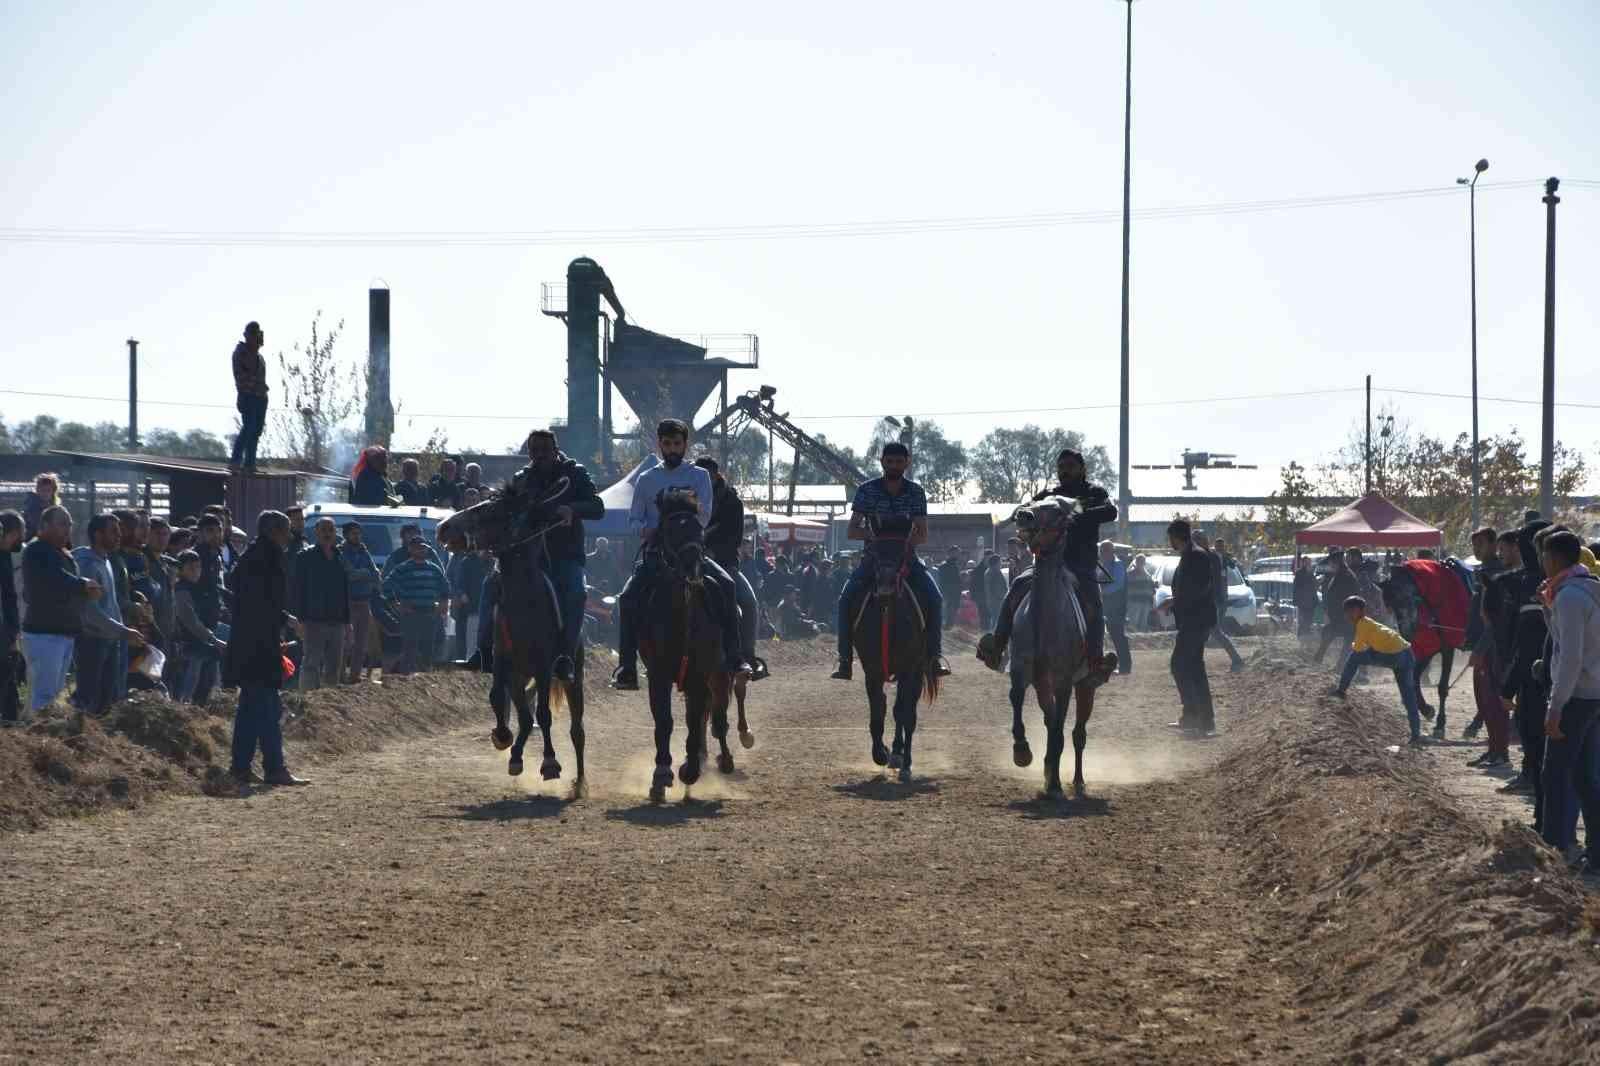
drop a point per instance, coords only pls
(250, 381)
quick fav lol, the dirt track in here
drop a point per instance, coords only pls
(419, 906)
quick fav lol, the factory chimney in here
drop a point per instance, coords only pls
(380, 410)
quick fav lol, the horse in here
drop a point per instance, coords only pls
(1049, 644)
(889, 632)
(1417, 619)
(680, 641)
(527, 625)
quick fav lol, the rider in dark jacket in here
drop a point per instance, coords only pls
(723, 537)
(554, 480)
(1081, 553)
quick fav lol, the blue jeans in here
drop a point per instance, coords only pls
(568, 576)
(200, 675)
(1571, 778)
(1405, 675)
(253, 416)
(923, 586)
(49, 657)
(258, 722)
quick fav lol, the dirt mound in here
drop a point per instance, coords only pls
(63, 764)
(1417, 934)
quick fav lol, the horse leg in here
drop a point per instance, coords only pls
(500, 735)
(876, 711)
(1082, 709)
(519, 696)
(1423, 705)
(661, 711)
(746, 738)
(1050, 702)
(1021, 754)
(694, 748)
(908, 690)
(575, 709)
(1446, 662)
(720, 690)
(549, 768)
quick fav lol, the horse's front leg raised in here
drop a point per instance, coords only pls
(1083, 707)
(661, 711)
(1021, 753)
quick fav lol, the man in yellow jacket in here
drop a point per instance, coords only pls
(1376, 644)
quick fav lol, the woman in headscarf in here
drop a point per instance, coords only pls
(369, 481)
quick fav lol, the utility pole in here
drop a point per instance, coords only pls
(133, 395)
(1123, 507)
(1369, 439)
(1547, 451)
(1472, 227)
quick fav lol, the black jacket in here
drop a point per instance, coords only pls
(726, 531)
(1529, 630)
(1219, 581)
(1082, 549)
(1193, 601)
(371, 489)
(54, 590)
(411, 494)
(1305, 590)
(319, 588)
(442, 493)
(1337, 587)
(564, 542)
(10, 623)
(209, 593)
(260, 594)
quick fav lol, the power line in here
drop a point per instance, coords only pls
(702, 234)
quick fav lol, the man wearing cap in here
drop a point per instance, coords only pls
(892, 495)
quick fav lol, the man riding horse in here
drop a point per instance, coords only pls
(556, 480)
(1080, 553)
(892, 495)
(644, 516)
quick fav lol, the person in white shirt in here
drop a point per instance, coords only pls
(672, 440)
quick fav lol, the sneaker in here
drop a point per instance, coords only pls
(1516, 786)
(626, 679)
(1481, 760)
(1417, 741)
(284, 777)
(843, 673)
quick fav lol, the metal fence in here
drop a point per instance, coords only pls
(85, 498)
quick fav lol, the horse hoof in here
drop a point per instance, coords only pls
(880, 754)
(894, 760)
(514, 767)
(660, 782)
(725, 762)
(747, 740)
(1021, 754)
(905, 775)
(501, 738)
(1438, 732)
(657, 794)
(550, 769)
(580, 789)
(689, 772)
(1077, 790)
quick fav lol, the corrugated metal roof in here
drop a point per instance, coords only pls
(185, 465)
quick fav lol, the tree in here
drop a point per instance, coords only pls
(1011, 465)
(195, 444)
(82, 437)
(938, 464)
(322, 394)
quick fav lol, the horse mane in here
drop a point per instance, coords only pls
(674, 500)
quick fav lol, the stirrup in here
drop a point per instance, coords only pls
(758, 668)
(941, 668)
(625, 680)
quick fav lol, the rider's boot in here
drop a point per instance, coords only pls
(626, 677)
(732, 657)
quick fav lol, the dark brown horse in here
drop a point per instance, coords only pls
(889, 632)
(681, 643)
(527, 626)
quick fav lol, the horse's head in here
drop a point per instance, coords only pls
(1042, 525)
(682, 538)
(1401, 596)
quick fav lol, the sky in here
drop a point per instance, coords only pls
(265, 162)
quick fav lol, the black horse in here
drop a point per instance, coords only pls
(681, 643)
(889, 632)
(527, 634)
(1416, 619)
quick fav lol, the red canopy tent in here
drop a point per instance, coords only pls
(1371, 520)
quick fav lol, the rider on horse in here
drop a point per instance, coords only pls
(672, 439)
(1080, 552)
(893, 494)
(549, 469)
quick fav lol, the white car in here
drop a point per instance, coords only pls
(380, 526)
(1240, 616)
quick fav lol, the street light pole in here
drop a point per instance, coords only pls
(1547, 450)
(1127, 160)
(1472, 229)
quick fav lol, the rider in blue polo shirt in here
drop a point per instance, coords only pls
(892, 494)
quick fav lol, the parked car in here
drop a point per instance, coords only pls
(380, 526)
(1240, 616)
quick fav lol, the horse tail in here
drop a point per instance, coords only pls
(930, 683)
(558, 694)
